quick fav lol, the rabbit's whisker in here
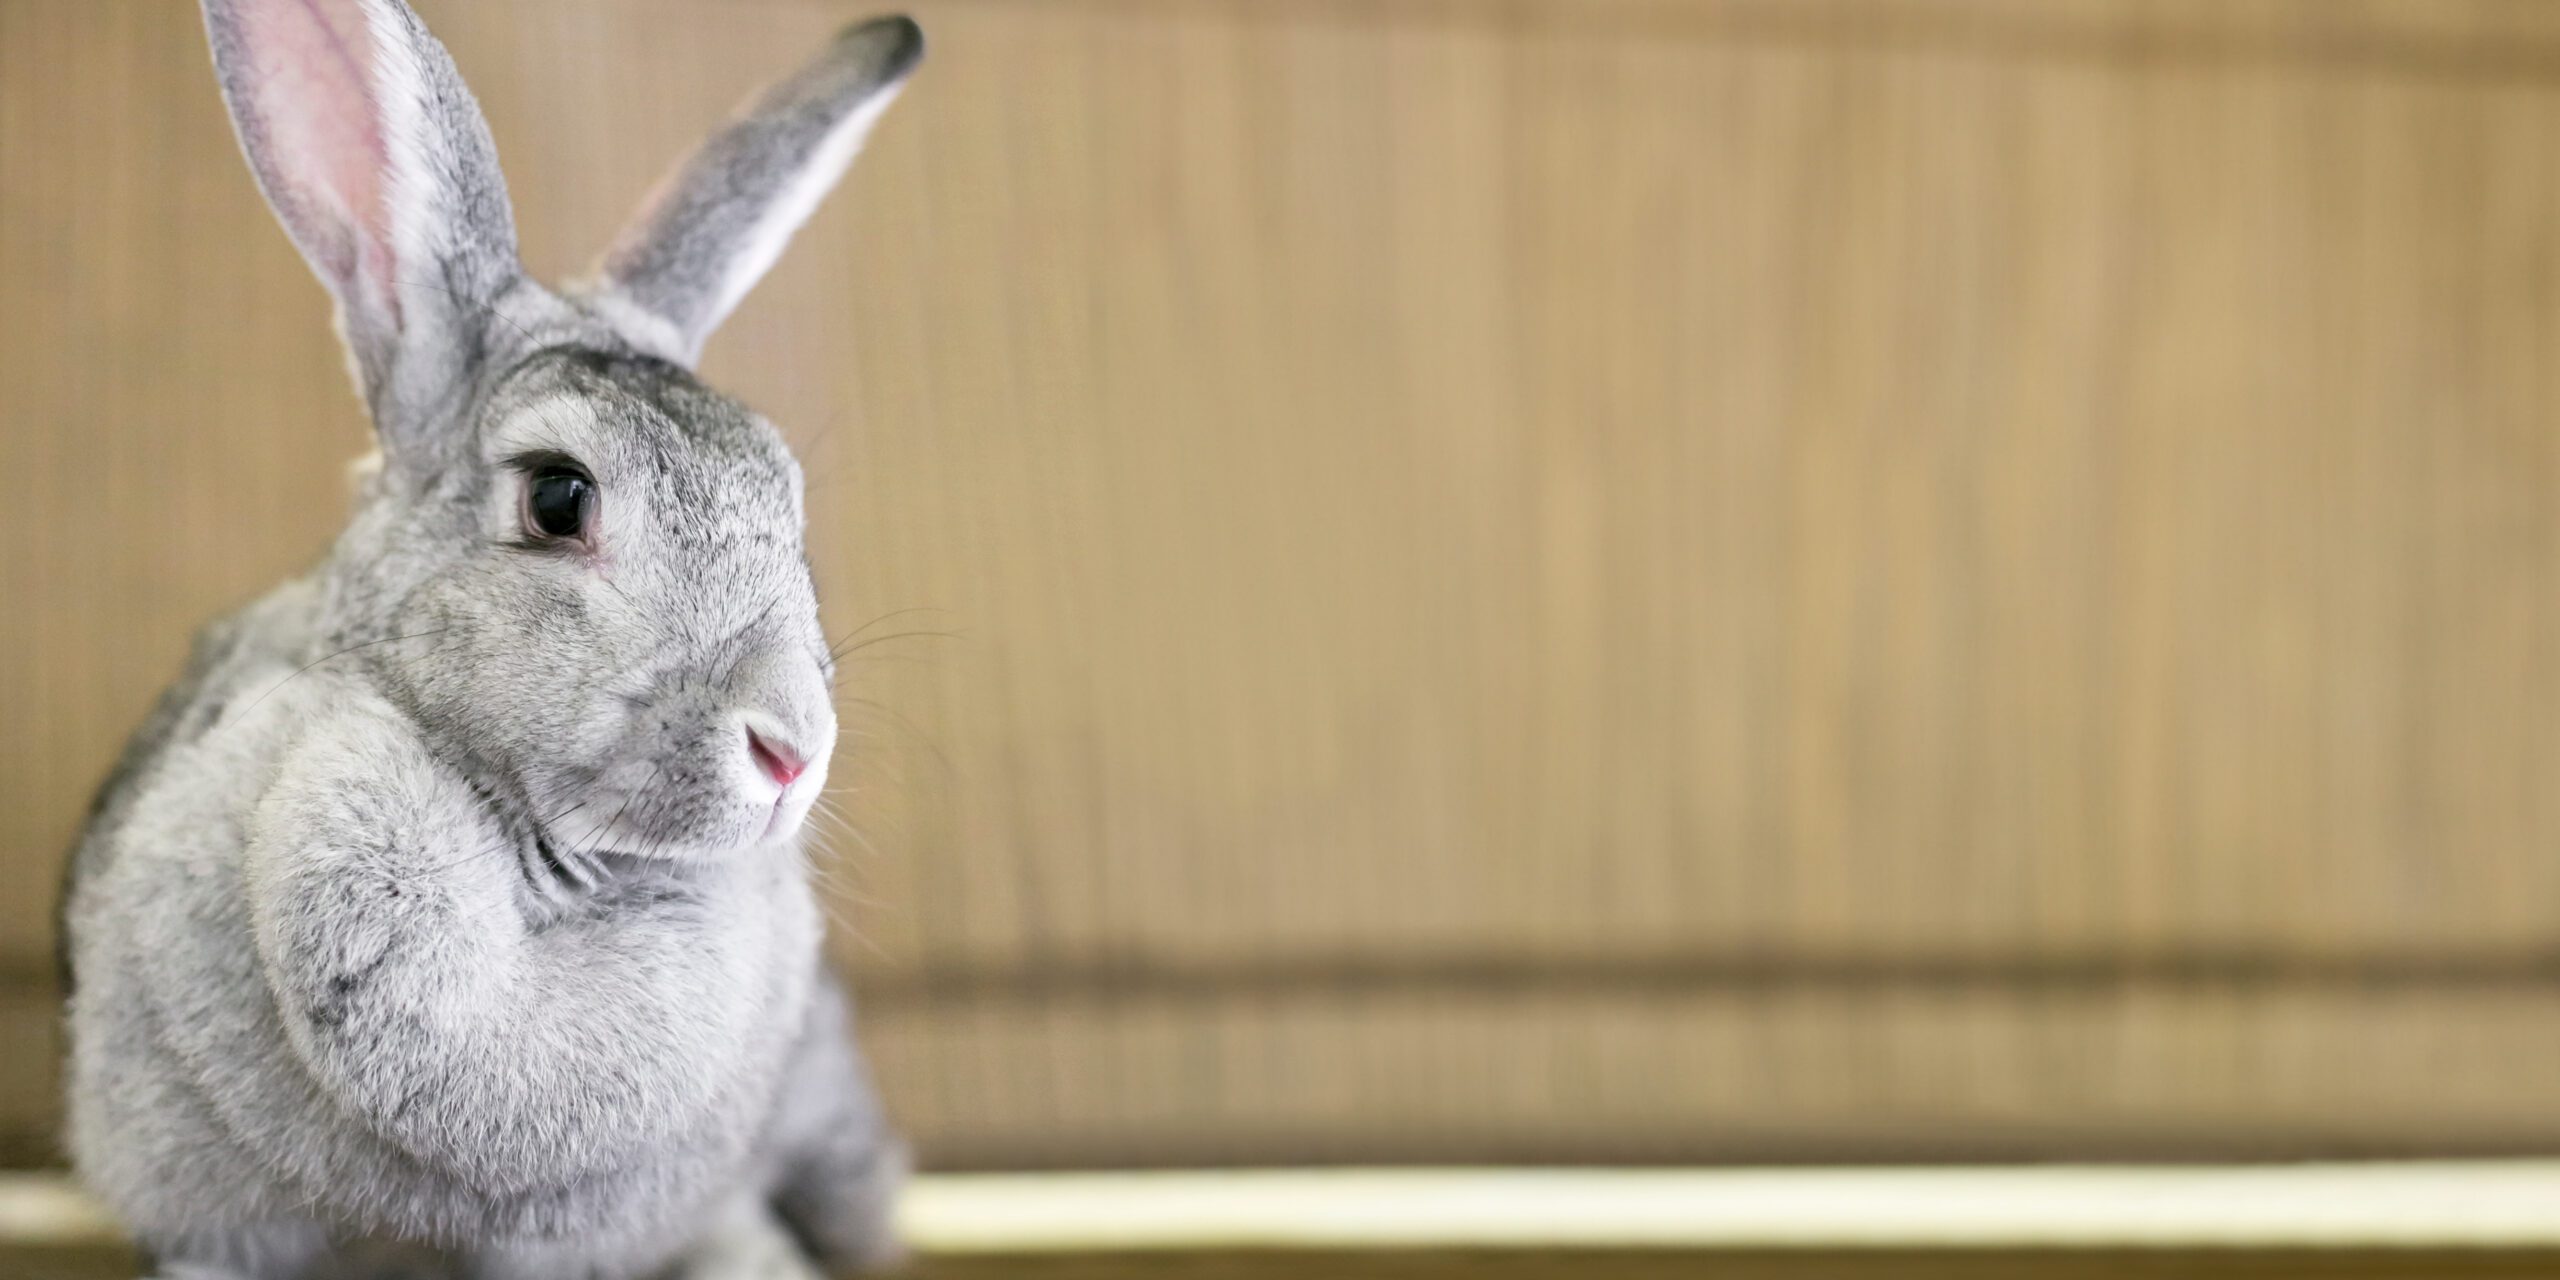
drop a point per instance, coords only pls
(627, 797)
(893, 613)
(851, 645)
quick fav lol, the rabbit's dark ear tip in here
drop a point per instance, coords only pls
(894, 44)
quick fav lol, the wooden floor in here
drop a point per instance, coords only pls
(2448, 1219)
(100, 1264)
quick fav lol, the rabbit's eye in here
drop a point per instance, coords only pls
(558, 502)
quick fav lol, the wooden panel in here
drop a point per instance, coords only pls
(1786, 1075)
(1662, 492)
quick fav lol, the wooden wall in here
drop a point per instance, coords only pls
(1535, 579)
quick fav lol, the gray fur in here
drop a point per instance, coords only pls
(716, 223)
(438, 920)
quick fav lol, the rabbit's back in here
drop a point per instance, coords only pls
(163, 841)
(226, 662)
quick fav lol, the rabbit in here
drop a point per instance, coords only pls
(449, 916)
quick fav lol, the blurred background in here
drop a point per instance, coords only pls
(1512, 580)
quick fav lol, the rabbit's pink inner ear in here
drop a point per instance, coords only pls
(313, 86)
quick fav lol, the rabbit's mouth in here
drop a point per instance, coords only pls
(665, 813)
(689, 776)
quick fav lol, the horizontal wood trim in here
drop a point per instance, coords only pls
(1138, 977)
(2472, 40)
(2424, 39)
(1134, 1078)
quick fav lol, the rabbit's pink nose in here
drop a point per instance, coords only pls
(779, 762)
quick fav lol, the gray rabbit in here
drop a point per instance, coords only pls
(449, 916)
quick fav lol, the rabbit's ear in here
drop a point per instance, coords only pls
(379, 165)
(714, 226)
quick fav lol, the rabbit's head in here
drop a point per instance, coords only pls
(577, 569)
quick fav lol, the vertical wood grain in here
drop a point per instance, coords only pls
(1716, 504)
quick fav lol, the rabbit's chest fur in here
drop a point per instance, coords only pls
(331, 1004)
